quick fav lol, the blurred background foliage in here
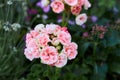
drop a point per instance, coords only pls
(98, 41)
(12, 60)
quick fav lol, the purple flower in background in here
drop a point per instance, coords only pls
(71, 22)
(94, 18)
(32, 11)
(44, 4)
(59, 19)
(44, 16)
(83, 26)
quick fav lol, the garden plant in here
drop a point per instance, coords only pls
(59, 40)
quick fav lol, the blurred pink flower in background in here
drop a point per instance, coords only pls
(73, 6)
(75, 10)
(71, 2)
(87, 4)
(57, 6)
(81, 19)
(85, 34)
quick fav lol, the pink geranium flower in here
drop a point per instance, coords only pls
(28, 54)
(43, 40)
(49, 55)
(81, 19)
(76, 9)
(39, 27)
(64, 37)
(81, 2)
(50, 28)
(28, 37)
(51, 43)
(31, 53)
(57, 6)
(31, 43)
(71, 2)
(34, 33)
(87, 4)
(73, 6)
(71, 50)
(62, 60)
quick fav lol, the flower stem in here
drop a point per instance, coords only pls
(8, 12)
(57, 73)
(63, 18)
(94, 58)
(94, 49)
(68, 16)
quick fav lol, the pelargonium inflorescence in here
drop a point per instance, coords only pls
(74, 6)
(51, 43)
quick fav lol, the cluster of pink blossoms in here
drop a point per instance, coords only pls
(75, 7)
(51, 43)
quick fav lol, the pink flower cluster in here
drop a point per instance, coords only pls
(75, 7)
(51, 43)
(99, 31)
(96, 32)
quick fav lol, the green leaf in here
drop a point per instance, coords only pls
(99, 72)
(115, 67)
(112, 38)
(84, 47)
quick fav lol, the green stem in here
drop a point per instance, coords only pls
(8, 11)
(68, 16)
(33, 21)
(1, 11)
(57, 73)
(63, 18)
(94, 49)
(95, 71)
(94, 58)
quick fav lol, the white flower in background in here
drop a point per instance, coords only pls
(81, 19)
(38, 16)
(6, 26)
(44, 2)
(87, 4)
(14, 49)
(24, 7)
(16, 26)
(9, 2)
(28, 28)
(39, 27)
